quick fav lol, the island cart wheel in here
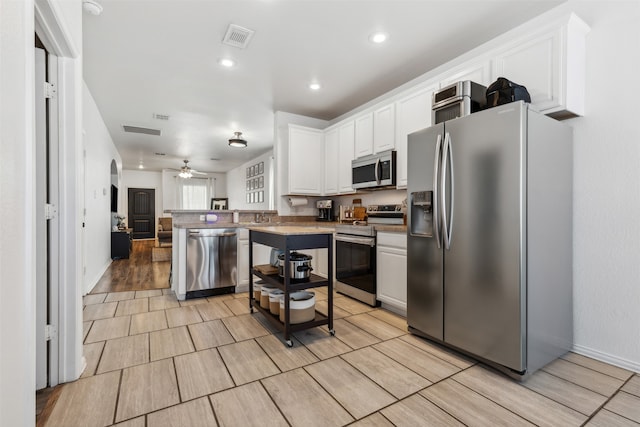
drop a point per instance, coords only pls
(289, 343)
(332, 332)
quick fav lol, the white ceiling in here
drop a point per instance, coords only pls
(146, 57)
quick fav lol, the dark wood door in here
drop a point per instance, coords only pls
(142, 213)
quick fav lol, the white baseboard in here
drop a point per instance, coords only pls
(607, 358)
(92, 283)
(394, 309)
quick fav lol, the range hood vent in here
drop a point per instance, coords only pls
(237, 36)
(136, 129)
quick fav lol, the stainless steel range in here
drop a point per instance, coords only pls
(356, 253)
(356, 262)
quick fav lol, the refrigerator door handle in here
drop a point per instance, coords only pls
(434, 210)
(447, 157)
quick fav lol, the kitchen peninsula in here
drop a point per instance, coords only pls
(186, 221)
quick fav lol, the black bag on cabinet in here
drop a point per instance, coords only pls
(504, 91)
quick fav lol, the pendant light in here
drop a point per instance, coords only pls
(237, 141)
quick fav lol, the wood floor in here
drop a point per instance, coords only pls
(137, 273)
(155, 361)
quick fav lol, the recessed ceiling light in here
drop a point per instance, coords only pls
(140, 166)
(226, 62)
(378, 37)
(92, 7)
(314, 86)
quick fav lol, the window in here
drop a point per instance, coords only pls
(195, 193)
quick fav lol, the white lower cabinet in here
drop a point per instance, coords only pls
(261, 255)
(391, 252)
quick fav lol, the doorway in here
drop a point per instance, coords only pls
(142, 212)
(46, 217)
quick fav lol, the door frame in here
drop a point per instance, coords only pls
(66, 233)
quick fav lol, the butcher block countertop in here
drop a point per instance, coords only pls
(292, 230)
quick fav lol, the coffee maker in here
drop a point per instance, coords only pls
(325, 210)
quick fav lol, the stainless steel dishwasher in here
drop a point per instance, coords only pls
(211, 262)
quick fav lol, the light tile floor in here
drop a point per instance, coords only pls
(155, 361)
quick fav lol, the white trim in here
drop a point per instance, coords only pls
(52, 30)
(607, 358)
(94, 281)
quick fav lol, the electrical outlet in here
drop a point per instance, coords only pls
(201, 217)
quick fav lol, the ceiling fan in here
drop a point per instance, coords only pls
(186, 171)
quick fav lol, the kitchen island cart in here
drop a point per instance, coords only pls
(288, 239)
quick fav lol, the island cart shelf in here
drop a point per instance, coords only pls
(290, 239)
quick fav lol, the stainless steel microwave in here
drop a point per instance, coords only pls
(376, 170)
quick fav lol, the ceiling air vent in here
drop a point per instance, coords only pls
(237, 36)
(136, 129)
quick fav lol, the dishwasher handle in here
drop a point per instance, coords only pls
(197, 235)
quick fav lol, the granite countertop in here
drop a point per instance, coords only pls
(252, 224)
(391, 228)
(311, 225)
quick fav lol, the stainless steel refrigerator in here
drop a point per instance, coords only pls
(489, 251)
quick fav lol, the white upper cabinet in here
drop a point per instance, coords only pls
(305, 160)
(331, 140)
(364, 135)
(346, 146)
(551, 65)
(479, 72)
(413, 113)
(384, 128)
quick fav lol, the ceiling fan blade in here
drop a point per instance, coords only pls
(198, 173)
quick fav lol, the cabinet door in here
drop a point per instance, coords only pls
(479, 72)
(331, 140)
(306, 154)
(392, 276)
(535, 64)
(412, 113)
(319, 262)
(243, 262)
(364, 135)
(384, 128)
(345, 156)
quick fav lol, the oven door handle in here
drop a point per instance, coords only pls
(369, 241)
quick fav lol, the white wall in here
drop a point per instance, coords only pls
(17, 254)
(607, 188)
(237, 184)
(100, 151)
(17, 220)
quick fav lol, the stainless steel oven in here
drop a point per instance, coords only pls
(356, 262)
(457, 100)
